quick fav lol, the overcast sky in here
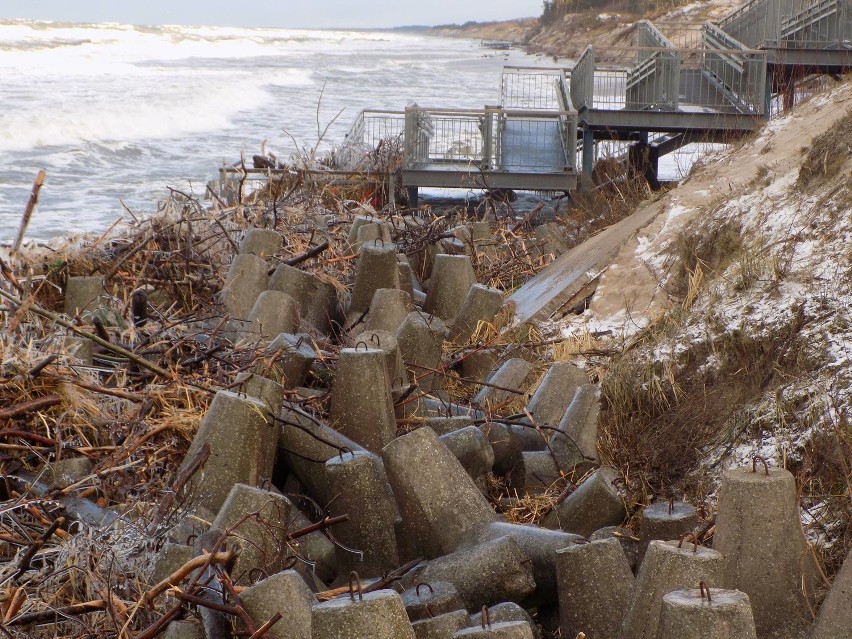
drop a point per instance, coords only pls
(271, 13)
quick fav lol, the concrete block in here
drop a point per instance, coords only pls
(80, 349)
(263, 538)
(261, 242)
(473, 451)
(242, 448)
(485, 574)
(502, 630)
(388, 309)
(479, 363)
(446, 425)
(665, 520)
(580, 422)
(67, 471)
(481, 304)
(421, 340)
(598, 502)
(595, 588)
(551, 239)
(291, 358)
(667, 567)
(510, 441)
(629, 543)
(835, 615)
(502, 612)
(286, 593)
(361, 491)
(553, 396)
(376, 268)
(689, 614)
(438, 501)
(407, 279)
(361, 400)
(306, 444)
(168, 560)
(539, 545)
(440, 626)
(273, 313)
(82, 293)
(317, 299)
(452, 277)
(427, 600)
(759, 534)
(246, 280)
(183, 630)
(512, 375)
(386, 342)
(536, 472)
(377, 615)
(266, 390)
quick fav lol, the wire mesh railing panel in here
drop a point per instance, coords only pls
(583, 80)
(530, 88)
(825, 24)
(654, 84)
(758, 23)
(530, 145)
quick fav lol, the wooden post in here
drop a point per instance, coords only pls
(28, 212)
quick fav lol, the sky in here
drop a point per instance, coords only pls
(272, 13)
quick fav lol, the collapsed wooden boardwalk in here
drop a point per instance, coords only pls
(655, 96)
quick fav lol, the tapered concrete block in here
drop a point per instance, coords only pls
(835, 615)
(81, 349)
(692, 614)
(317, 299)
(261, 242)
(484, 574)
(306, 444)
(168, 560)
(580, 422)
(408, 280)
(426, 600)
(246, 280)
(512, 375)
(361, 491)
(595, 588)
(82, 293)
(473, 451)
(627, 540)
(242, 442)
(667, 567)
(759, 534)
(502, 612)
(421, 340)
(598, 502)
(452, 277)
(289, 358)
(553, 396)
(665, 520)
(446, 425)
(478, 364)
(539, 545)
(510, 441)
(551, 239)
(376, 268)
(481, 304)
(266, 390)
(273, 313)
(388, 310)
(440, 626)
(439, 502)
(536, 472)
(502, 630)
(66, 471)
(361, 400)
(378, 615)
(263, 538)
(285, 593)
(183, 630)
(387, 343)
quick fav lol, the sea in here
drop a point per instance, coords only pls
(116, 114)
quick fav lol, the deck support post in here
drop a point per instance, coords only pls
(588, 150)
(413, 196)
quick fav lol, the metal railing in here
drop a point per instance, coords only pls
(825, 24)
(583, 80)
(738, 73)
(530, 87)
(757, 24)
(491, 139)
(369, 130)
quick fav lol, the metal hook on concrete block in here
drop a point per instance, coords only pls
(762, 460)
(257, 571)
(357, 580)
(345, 449)
(423, 583)
(671, 505)
(485, 617)
(375, 338)
(358, 343)
(705, 591)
